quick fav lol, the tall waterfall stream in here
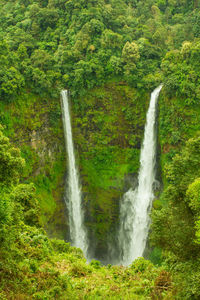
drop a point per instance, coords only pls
(136, 204)
(77, 229)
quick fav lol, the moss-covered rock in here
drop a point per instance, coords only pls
(34, 125)
(178, 122)
(108, 127)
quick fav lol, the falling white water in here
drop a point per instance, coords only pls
(73, 192)
(136, 204)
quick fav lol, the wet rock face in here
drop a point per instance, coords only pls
(130, 181)
(49, 147)
(45, 145)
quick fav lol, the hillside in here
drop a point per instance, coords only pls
(110, 55)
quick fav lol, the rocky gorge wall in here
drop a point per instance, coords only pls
(34, 125)
(108, 128)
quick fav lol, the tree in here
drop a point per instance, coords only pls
(130, 53)
(42, 59)
(11, 163)
(130, 56)
(173, 227)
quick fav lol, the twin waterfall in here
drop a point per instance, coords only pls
(78, 233)
(135, 205)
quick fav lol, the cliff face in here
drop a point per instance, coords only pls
(108, 126)
(108, 129)
(34, 125)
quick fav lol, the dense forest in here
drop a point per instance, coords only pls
(110, 55)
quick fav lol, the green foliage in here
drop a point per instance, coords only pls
(33, 266)
(6, 206)
(96, 264)
(60, 245)
(181, 79)
(17, 200)
(38, 132)
(175, 227)
(130, 55)
(49, 45)
(193, 195)
(11, 163)
(140, 265)
(24, 199)
(87, 42)
(11, 81)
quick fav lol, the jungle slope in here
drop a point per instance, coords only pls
(50, 45)
(34, 267)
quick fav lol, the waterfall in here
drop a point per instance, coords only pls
(78, 233)
(136, 204)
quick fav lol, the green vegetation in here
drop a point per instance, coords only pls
(175, 228)
(34, 267)
(34, 124)
(110, 54)
(50, 44)
(108, 131)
